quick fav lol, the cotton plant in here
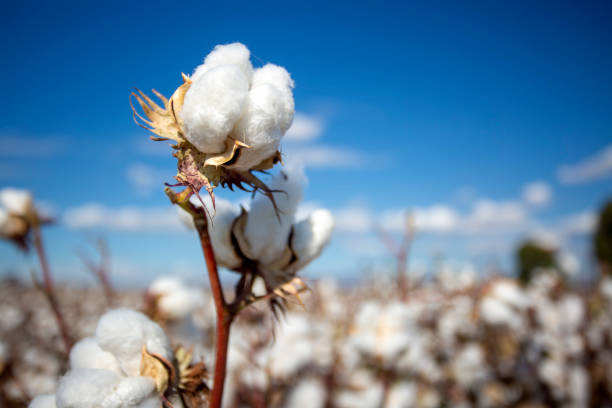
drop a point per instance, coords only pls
(128, 363)
(20, 223)
(17, 216)
(225, 122)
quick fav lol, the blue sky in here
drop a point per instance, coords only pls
(448, 109)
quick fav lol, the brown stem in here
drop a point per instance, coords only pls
(49, 288)
(224, 315)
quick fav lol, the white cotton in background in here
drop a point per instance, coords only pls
(123, 332)
(266, 235)
(496, 312)
(86, 388)
(268, 115)
(469, 366)
(43, 401)
(176, 300)
(300, 341)
(402, 395)
(510, 293)
(88, 354)
(212, 106)
(605, 287)
(220, 230)
(309, 393)
(226, 54)
(15, 201)
(572, 313)
(364, 391)
(311, 235)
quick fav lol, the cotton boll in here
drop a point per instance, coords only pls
(43, 401)
(87, 354)
(226, 54)
(220, 230)
(133, 392)
(86, 388)
(311, 235)
(266, 236)
(268, 114)
(309, 393)
(213, 104)
(402, 395)
(15, 201)
(123, 332)
(469, 366)
(175, 299)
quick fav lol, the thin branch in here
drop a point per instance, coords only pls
(225, 317)
(48, 288)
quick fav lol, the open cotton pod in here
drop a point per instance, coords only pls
(226, 121)
(17, 215)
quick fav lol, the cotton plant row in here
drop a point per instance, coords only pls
(490, 344)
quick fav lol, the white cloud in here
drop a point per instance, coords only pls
(593, 168)
(17, 146)
(437, 218)
(354, 219)
(304, 128)
(321, 156)
(488, 215)
(582, 223)
(145, 178)
(537, 194)
(127, 218)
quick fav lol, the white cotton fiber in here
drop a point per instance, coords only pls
(88, 354)
(227, 54)
(267, 237)
(86, 388)
(268, 114)
(309, 393)
(133, 392)
(220, 232)
(15, 201)
(123, 332)
(311, 235)
(213, 104)
(176, 299)
(43, 401)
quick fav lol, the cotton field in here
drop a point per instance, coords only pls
(481, 344)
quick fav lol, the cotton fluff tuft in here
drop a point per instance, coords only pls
(88, 354)
(220, 230)
(226, 54)
(309, 393)
(15, 201)
(227, 98)
(123, 332)
(268, 115)
(176, 300)
(267, 236)
(43, 401)
(212, 106)
(93, 388)
(311, 235)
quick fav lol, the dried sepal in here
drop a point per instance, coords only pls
(158, 368)
(196, 169)
(164, 122)
(192, 386)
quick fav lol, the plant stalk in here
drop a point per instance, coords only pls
(49, 288)
(225, 314)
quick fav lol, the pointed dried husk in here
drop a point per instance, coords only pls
(196, 169)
